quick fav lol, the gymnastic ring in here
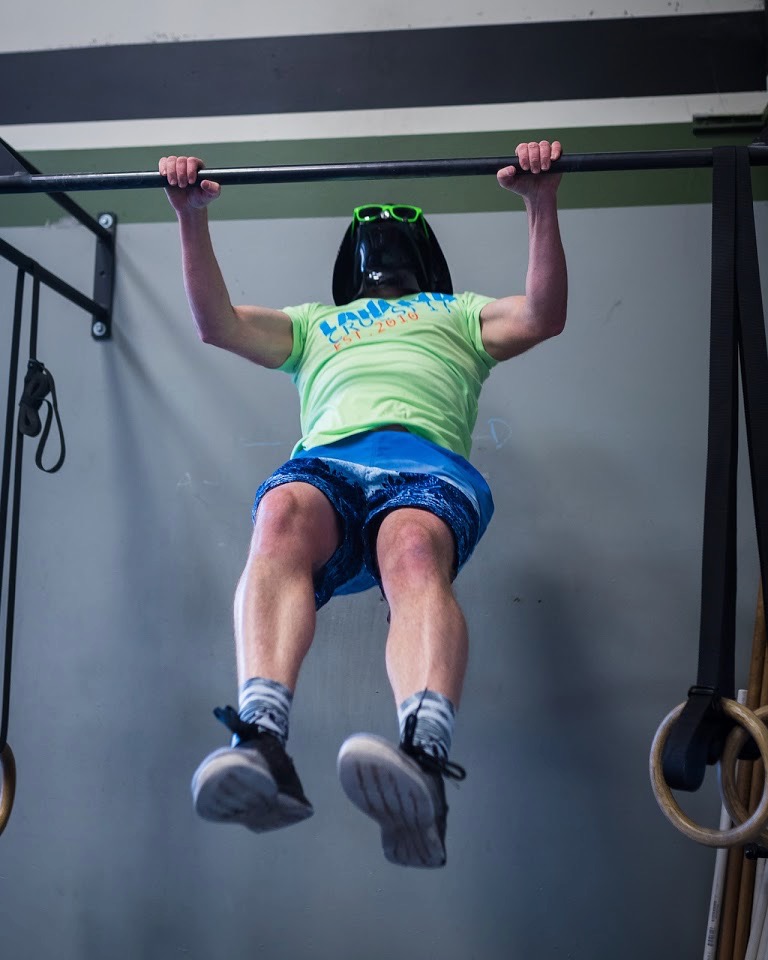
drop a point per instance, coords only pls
(8, 788)
(735, 741)
(737, 835)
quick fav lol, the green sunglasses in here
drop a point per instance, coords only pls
(378, 211)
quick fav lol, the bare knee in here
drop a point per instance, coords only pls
(295, 522)
(414, 548)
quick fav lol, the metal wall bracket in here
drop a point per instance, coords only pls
(104, 277)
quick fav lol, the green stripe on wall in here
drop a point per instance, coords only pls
(436, 195)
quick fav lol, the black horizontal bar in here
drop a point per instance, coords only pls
(383, 170)
(20, 162)
(51, 280)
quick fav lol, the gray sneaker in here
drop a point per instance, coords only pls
(253, 783)
(401, 788)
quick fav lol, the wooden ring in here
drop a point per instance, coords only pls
(736, 740)
(744, 832)
(8, 789)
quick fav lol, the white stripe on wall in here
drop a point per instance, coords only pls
(94, 23)
(554, 116)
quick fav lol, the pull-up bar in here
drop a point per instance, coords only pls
(376, 170)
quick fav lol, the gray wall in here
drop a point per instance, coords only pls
(582, 602)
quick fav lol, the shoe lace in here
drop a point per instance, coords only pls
(430, 762)
(231, 719)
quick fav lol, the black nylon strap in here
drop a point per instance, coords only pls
(754, 357)
(737, 322)
(696, 738)
(38, 383)
(718, 576)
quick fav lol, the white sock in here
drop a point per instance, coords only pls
(267, 703)
(435, 717)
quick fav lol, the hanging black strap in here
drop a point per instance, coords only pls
(38, 383)
(737, 331)
(754, 357)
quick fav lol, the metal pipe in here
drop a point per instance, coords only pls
(51, 280)
(5, 493)
(376, 170)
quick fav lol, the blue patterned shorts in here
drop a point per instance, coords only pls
(369, 474)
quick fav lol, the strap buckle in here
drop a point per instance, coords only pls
(696, 739)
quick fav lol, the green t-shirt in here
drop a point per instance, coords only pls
(418, 361)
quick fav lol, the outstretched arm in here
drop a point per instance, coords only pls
(260, 334)
(514, 324)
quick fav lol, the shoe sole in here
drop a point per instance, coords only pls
(390, 788)
(232, 786)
